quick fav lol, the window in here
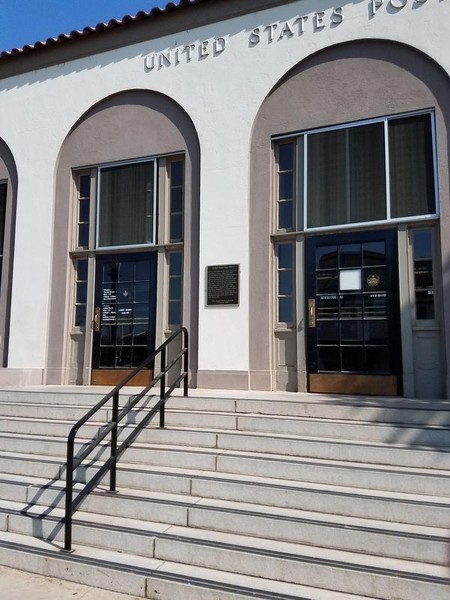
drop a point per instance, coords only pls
(346, 176)
(365, 172)
(286, 186)
(176, 200)
(126, 207)
(84, 206)
(422, 245)
(120, 207)
(175, 288)
(285, 285)
(81, 282)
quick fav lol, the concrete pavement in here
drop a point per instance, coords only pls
(17, 585)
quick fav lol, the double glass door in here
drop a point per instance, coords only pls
(124, 316)
(353, 335)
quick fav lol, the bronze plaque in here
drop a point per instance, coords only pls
(222, 285)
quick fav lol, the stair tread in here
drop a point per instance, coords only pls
(249, 480)
(193, 575)
(268, 456)
(293, 514)
(237, 433)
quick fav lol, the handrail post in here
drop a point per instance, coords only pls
(69, 494)
(186, 363)
(162, 393)
(115, 415)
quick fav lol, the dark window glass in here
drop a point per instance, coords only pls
(411, 166)
(346, 172)
(286, 186)
(353, 359)
(351, 332)
(84, 203)
(126, 205)
(423, 274)
(175, 288)
(285, 286)
(286, 157)
(176, 200)
(377, 360)
(374, 253)
(349, 255)
(327, 282)
(346, 176)
(81, 273)
(328, 332)
(285, 256)
(327, 257)
(285, 214)
(328, 358)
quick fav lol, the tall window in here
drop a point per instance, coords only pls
(129, 205)
(375, 171)
(422, 245)
(285, 282)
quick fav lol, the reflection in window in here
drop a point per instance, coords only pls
(285, 272)
(423, 273)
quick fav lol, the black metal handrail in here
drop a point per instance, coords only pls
(111, 427)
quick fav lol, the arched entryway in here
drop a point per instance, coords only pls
(125, 261)
(358, 90)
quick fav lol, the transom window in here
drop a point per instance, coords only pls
(126, 206)
(376, 171)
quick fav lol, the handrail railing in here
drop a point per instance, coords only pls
(73, 462)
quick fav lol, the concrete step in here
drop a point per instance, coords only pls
(373, 409)
(266, 496)
(376, 410)
(287, 445)
(427, 435)
(409, 542)
(249, 556)
(412, 508)
(151, 578)
(296, 468)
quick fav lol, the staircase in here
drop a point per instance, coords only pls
(270, 496)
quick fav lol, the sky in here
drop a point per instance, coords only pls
(28, 21)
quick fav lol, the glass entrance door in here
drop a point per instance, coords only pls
(353, 335)
(124, 316)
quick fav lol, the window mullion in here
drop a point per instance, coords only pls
(305, 182)
(387, 170)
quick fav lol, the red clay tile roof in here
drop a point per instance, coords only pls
(99, 28)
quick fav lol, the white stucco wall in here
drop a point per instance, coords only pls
(222, 95)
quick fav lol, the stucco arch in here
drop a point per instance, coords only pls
(344, 83)
(128, 125)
